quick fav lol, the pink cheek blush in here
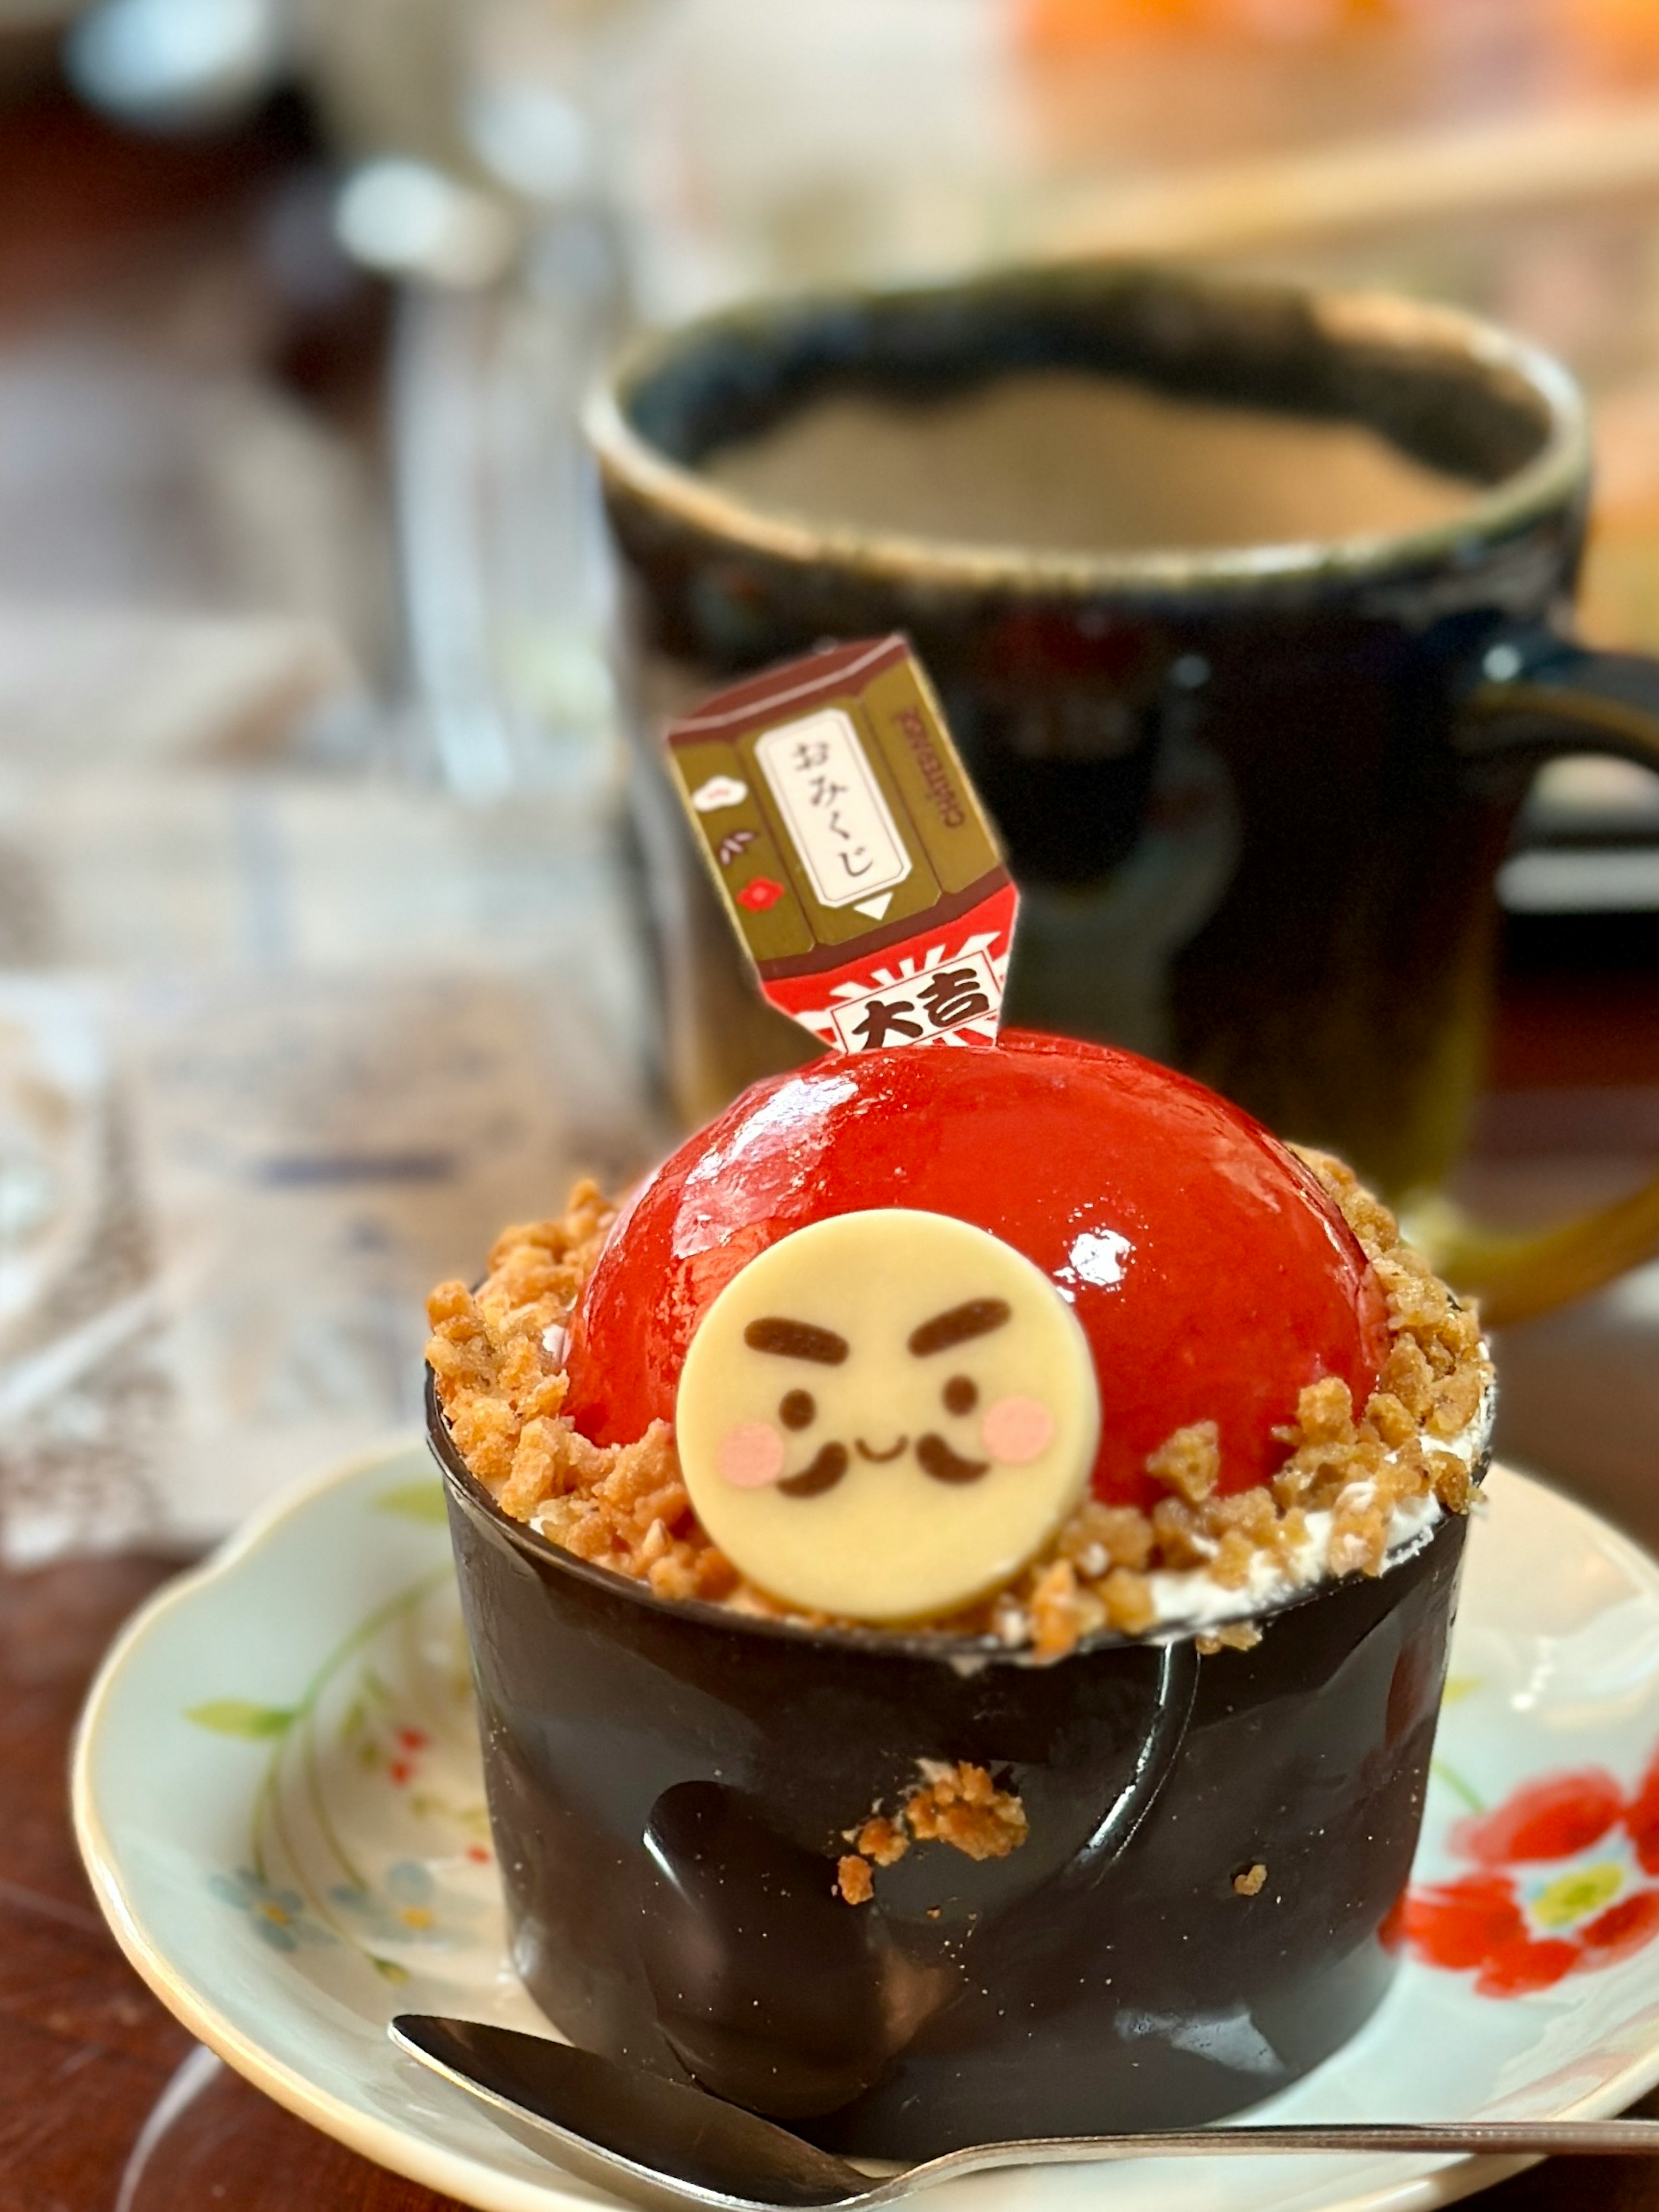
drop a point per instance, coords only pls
(750, 1455)
(1018, 1429)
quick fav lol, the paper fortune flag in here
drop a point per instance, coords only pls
(851, 849)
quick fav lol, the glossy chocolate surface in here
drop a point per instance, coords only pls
(670, 1786)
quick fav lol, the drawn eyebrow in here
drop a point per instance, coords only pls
(796, 1340)
(975, 1317)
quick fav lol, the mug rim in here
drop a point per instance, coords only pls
(872, 1641)
(629, 461)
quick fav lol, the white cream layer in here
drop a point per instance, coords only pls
(1191, 1597)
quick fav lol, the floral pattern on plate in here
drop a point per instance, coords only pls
(1561, 1881)
(371, 1797)
(278, 1798)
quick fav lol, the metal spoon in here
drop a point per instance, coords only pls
(666, 2144)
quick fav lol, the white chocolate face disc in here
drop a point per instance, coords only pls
(886, 1415)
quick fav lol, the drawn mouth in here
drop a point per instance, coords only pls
(938, 1460)
(880, 1459)
(824, 1474)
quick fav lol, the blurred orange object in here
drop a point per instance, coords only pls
(1060, 25)
(1620, 605)
(1623, 32)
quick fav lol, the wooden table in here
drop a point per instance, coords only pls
(88, 2056)
(85, 2053)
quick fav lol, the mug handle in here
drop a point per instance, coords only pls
(1540, 695)
(1039, 1918)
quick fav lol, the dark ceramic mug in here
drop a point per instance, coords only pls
(671, 1785)
(1255, 799)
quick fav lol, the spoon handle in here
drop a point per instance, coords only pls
(668, 2146)
(1485, 2138)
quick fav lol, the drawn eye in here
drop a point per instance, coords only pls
(798, 1409)
(960, 1395)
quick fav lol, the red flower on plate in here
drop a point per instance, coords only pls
(1557, 1888)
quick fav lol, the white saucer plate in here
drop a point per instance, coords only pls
(277, 1794)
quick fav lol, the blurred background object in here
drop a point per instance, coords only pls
(318, 954)
(178, 63)
(286, 1015)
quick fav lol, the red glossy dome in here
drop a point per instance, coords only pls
(1212, 1275)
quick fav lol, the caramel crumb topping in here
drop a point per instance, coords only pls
(960, 1806)
(854, 1879)
(498, 1357)
(1127, 1601)
(1250, 1881)
(1230, 1635)
(1189, 1461)
(881, 1840)
(957, 1804)
(1057, 1614)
